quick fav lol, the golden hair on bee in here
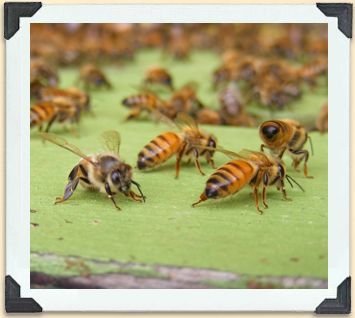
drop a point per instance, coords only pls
(183, 144)
(248, 168)
(105, 172)
(288, 136)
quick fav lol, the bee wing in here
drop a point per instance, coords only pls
(61, 142)
(161, 117)
(254, 156)
(111, 140)
(187, 120)
(226, 152)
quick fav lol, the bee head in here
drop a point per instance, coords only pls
(166, 80)
(269, 132)
(121, 178)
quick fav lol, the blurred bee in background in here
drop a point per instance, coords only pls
(249, 168)
(92, 77)
(43, 72)
(178, 47)
(232, 110)
(73, 94)
(105, 172)
(224, 74)
(312, 70)
(208, 117)
(288, 136)
(183, 144)
(158, 75)
(147, 102)
(322, 119)
(59, 109)
(185, 100)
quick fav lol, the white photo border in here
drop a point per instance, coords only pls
(18, 163)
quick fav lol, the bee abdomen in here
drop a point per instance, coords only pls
(158, 150)
(40, 113)
(140, 100)
(229, 179)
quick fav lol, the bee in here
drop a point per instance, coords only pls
(59, 110)
(179, 48)
(185, 100)
(158, 75)
(209, 117)
(322, 119)
(232, 110)
(183, 144)
(312, 70)
(288, 136)
(105, 172)
(42, 71)
(249, 168)
(76, 95)
(92, 77)
(147, 102)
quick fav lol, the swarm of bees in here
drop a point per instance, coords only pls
(256, 67)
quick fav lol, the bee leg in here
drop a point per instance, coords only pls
(262, 147)
(134, 114)
(73, 129)
(178, 158)
(109, 193)
(202, 197)
(212, 164)
(187, 162)
(69, 190)
(196, 161)
(304, 155)
(281, 152)
(263, 193)
(134, 196)
(50, 124)
(256, 197)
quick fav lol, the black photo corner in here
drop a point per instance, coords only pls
(13, 301)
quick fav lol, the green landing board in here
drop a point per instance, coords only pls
(289, 239)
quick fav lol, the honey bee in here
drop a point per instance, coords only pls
(92, 77)
(312, 70)
(179, 48)
(232, 110)
(185, 100)
(249, 168)
(105, 172)
(322, 119)
(59, 110)
(167, 144)
(147, 102)
(288, 136)
(42, 71)
(158, 75)
(209, 117)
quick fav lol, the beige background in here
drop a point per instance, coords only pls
(2, 171)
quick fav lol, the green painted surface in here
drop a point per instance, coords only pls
(291, 238)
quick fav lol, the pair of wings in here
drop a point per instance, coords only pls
(244, 154)
(110, 139)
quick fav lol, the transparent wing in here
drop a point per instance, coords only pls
(61, 142)
(161, 117)
(255, 156)
(226, 152)
(186, 120)
(111, 140)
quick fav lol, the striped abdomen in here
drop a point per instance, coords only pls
(41, 112)
(159, 150)
(142, 100)
(229, 179)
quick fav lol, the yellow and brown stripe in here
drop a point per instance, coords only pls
(142, 100)
(229, 179)
(41, 112)
(159, 150)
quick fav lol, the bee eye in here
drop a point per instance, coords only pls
(166, 80)
(212, 143)
(115, 176)
(269, 132)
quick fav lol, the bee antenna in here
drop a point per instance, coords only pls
(294, 182)
(310, 141)
(139, 189)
